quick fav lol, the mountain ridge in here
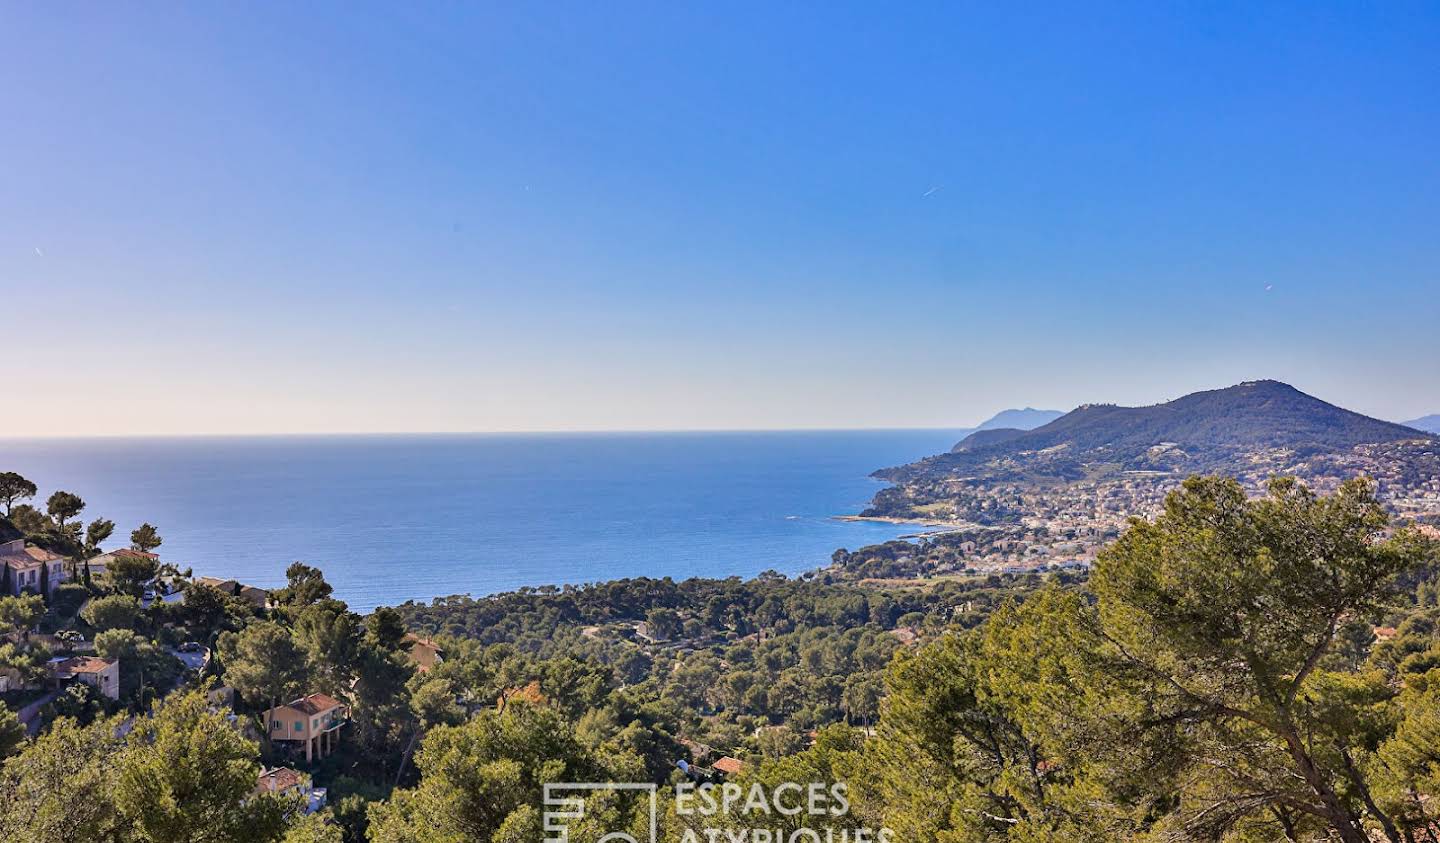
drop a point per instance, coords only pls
(1251, 430)
(1429, 424)
(1004, 425)
(1026, 419)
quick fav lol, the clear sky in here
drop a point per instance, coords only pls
(230, 218)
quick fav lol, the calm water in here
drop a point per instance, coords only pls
(396, 518)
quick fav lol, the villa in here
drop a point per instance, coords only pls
(24, 564)
(313, 720)
(101, 564)
(101, 674)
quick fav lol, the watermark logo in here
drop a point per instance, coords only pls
(565, 803)
(790, 812)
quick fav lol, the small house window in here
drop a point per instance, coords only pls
(299, 725)
(275, 725)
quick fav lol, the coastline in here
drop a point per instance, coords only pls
(931, 526)
(890, 519)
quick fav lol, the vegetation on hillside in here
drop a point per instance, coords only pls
(1236, 669)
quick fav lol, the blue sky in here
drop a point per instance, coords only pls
(227, 218)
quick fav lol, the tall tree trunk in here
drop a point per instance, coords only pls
(405, 757)
(1340, 817)
(1391, 832)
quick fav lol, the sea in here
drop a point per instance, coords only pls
(397, 518)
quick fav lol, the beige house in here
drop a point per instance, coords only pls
(313, 720)
(25, 563)
(101, 674)
(101, 564)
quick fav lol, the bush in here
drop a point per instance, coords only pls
(118, 611)
(68, 598)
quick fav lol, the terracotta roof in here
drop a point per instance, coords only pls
(729, 765)
(412, 638)
(278, 780)
(130, 551)
(80, 664)
(28, 557)
(314, 703)
(424, 652)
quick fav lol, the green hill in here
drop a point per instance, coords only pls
(1203, 431)
(1104, 458)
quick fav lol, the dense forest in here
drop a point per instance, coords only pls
(1239, 669)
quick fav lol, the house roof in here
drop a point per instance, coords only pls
(729, 765)
(254, 594)
(424, 652)
(105, 559)
(29, 556)
(415, 640)
(314, 703)
(235, 588)
(76, 665)
(278, 780)
(130, 551)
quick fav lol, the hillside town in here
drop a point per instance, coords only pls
(1013, 526)
(58, 660)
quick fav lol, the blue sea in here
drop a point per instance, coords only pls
(395, 518)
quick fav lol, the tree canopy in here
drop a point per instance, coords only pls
(15, 488)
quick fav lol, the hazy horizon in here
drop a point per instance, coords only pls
(568, 431)
(275, 220)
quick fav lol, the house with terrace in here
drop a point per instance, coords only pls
(312, 721)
